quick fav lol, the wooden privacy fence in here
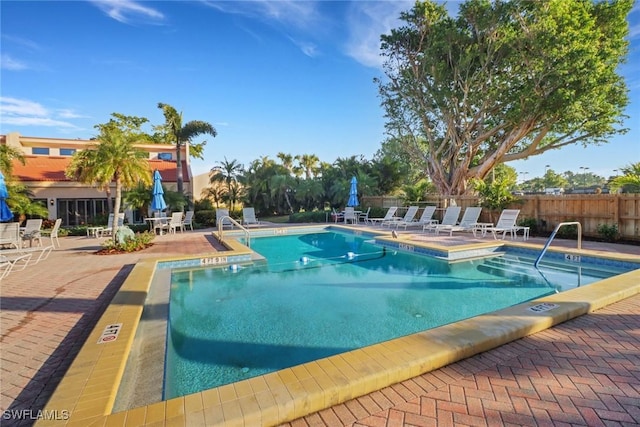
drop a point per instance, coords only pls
(591, 210)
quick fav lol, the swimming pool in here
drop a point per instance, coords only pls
(325, 293)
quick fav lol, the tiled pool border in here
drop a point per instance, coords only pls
(91, 384)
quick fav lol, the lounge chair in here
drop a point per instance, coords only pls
(506, 224)
(8, 263)
(468, 222)
(249, 216)
(389, 216)
(31, 232)
(10, 234)
(175, 223)
(35, 254)
(408, 218)
(188, 220)
(222, 218)
(450, 218)
(108, 230)
(53, 233)
(425, 218)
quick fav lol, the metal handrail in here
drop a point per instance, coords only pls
(233, 222)
(553, 234)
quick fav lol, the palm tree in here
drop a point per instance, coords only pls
(228, 172)
(182, 135)
(84, 167)
(630, 181)
(7, 155)
(309, 163)
(114, 158)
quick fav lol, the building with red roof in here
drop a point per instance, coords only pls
(46, 160)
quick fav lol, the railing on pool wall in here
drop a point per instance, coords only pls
(555, 230)
(225, 220)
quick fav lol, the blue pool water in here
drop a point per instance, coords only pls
(326, 293)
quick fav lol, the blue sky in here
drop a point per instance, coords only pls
(271, 76)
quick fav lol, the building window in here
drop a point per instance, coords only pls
(75, 212)
(165, 156)
(67, 151)
(40, 151)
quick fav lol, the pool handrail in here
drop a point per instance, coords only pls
(553, 234)
(221, 223)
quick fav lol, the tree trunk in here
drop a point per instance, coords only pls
(179, 167)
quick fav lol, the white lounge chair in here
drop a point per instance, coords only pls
(450, 218)
(53, 233)
(249, 216)
(426, 217)
(506, 224)
(108, 230)
(188, 220)
(389, 216)
(10, 234)
(222, 218)
(468, 222)
(9, 263)
(408, 218)
(31, 231)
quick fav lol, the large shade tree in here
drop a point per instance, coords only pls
(503, 81)
(180, 134)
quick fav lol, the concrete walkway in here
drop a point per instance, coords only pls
(583, 372)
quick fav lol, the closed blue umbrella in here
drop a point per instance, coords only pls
(157, 202)
(5, 212)
(353, 193)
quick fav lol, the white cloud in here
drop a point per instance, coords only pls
(300, 14)
(21, 112)
(367, 21)
(14, 106)
(126, 11)
(9, 63)
(25, 43)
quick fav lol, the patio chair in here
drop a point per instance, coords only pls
(365, 216)
(506, 224)
(337, 216)
(450, 218)
(10, 234)
(349, 214)
(249, 216)
(31, 231)
(175, 223)
(188, 220)
(53, 233)
(408, 218)
(468, 222)
(389, 216)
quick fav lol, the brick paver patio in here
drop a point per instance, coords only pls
(583, 372)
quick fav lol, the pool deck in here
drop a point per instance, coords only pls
(585, 371)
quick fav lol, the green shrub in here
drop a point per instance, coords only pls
(568, 231)
(139, 242)
(314, 216)
(205, 217)
(608, 232)
(531, 223)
